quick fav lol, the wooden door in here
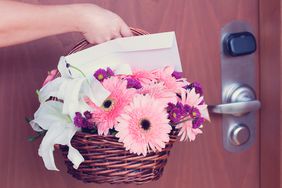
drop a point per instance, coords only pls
(200, 164)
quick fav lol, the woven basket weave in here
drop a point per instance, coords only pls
(107, 161)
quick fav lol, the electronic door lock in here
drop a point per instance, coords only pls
(239, 104)
(239, 44)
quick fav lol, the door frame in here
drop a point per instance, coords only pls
(270, 55)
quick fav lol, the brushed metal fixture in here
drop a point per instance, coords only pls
(239, 102)
(239, 135)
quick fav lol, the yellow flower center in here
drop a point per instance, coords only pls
(100, 77)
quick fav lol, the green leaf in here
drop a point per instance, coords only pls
(28, 119)
(38, 135)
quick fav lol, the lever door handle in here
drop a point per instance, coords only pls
(235, 108)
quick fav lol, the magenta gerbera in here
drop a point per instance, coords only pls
(105, 116)
(143, 125)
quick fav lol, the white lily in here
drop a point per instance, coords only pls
(60, 130)
(73, 90)
(56, 117)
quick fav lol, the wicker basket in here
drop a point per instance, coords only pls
(107, 161)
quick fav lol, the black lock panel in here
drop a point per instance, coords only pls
(238, 44)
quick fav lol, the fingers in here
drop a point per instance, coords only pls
(101, 37)
(116, 35)
(125, 30)
(118, 29)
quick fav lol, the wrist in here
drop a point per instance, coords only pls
(78, 16)
(63, 18)
(73, 17)
(69, 17)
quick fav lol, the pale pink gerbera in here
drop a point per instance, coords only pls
(143, 76)
(170, 82)
(194, 100)
(187, 131)
(159, 92)
(143, 125)
(105, 116)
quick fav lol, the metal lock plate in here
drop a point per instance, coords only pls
(238, 81)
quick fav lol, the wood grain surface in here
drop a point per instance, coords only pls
(201, 164)
(271, 93)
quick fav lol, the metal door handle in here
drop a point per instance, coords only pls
(236, 108)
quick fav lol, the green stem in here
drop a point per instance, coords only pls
(69, 118)
(182, 121)
(37, 92)
(75, 68)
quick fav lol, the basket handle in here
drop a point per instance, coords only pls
(84, 43)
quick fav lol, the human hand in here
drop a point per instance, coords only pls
(99, 25)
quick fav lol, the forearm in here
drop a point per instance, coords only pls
(24, 22)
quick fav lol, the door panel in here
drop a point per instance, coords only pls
(199, 164)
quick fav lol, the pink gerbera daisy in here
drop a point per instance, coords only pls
(143, 125)
(143, 76)
(187, 131)
(170, 82)
(51, 76)
(105, 116)
(194, 100)
(159, 92)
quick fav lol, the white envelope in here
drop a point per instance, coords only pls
(140, 52)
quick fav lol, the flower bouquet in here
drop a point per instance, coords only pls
(121, 124)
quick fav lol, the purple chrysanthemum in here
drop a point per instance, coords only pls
(87, 115)
(187, 108)
(180, 106)
(110, 72)
(197, 86)
(197, 122)
(195, 113)
(175, 115)
(82, 122)
(100, 74)
(170, 107)
(78, 120)
(177, 74)
(133, 83)
(177, 112)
